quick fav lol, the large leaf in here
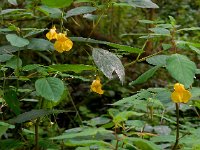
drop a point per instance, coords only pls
(40, 45)
(57, 3)
(33, 114)
(14, 63)
(17, 41)
(145, 76)
(77, 68)
(114, 45)
(7, 49)
(181, 69)
(142, 3)
(108, 63)
(50, 88)
(12, 101)
(80, 10)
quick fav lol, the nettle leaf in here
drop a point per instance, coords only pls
(80, 10)
(161, 31)
(108, 62)
(57, 3)
(145, 76)
(40, 45)
(181, 69)
(50, 88)
(33, 114)
(158, 60)
(17, 41)
(142, 3)
(77, 68)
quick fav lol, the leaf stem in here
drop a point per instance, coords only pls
(177, 127)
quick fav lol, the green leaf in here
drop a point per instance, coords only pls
(3, 129)
(12, 101)
(10, 144)
(16, 40)
(5, 57)
(50, 88)
(86, 132)
(14, 62)
(40, 45)
(114, 45)
(76, 143)
(6, 11)
(164, 138)
(98, 121)
(145, 76)
(79, 10)
(52, 12)
(142, 4)
(57, 3)
(30, 67)
(8, 49)
(161, 31)
(189, 29)
(77, 68)
(158, 60)
(181, 69)
(33, 114)
(108, 63)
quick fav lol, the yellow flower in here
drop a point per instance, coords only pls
(63, 43)
(96, 86)
(52, 33)
(180, 94)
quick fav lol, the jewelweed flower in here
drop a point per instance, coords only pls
(52, 34)
(63, 43)
(180, 94)
(96, 86)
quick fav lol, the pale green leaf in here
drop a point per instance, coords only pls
(6, 11)
(13, 2)
(161, 31)
(17, 41)
(145, 76)
(50, 88)
(181, 68)
(8, 49)
(108, 63)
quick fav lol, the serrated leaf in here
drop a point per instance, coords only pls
(33, 114)
(108, 63)
(40, 45)
(57, 3)
(77, 68)
(30, 67)
(80, 10)
(145, 76)
(17, 41)
(181, 69)
(5, 57)
(52, 12)
(50, 88)
(158, 60)
(12, 101)
(142, 3)
(75, 142)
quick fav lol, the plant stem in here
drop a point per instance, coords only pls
(177, 127)
(36, 134)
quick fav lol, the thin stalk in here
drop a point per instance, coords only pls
(116, 146)
(177, 127)
(37, 134)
